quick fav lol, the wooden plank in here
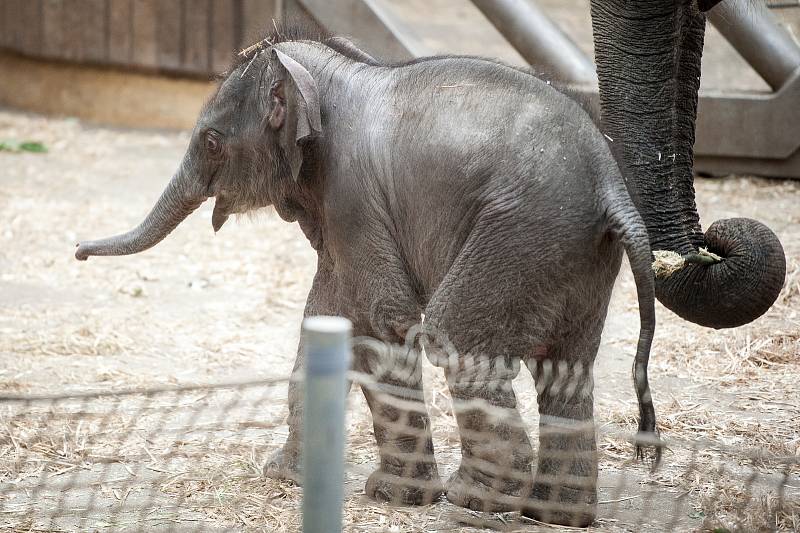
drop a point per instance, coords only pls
(11, 12)
(168, 34)
(15, 13)
(257, 18)
(120, 31)
(52, 26)
(73, 14)
(224, 40)
(5, 25)
(32, 24)
(6, 39)
(196, 37)
(94, 25)
(144, 33)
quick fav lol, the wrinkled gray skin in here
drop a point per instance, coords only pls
(456, 187)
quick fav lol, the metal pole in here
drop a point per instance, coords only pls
(538, 39)
(326, 342)
(755, 33)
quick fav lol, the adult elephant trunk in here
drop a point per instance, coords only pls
(178, 200)
(648, 63)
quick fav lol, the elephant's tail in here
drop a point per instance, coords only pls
(627, 225)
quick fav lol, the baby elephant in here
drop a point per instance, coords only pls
(456, 188)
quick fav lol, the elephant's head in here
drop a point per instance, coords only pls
(246, 150)
(648, 62)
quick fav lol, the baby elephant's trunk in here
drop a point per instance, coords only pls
(176, 203)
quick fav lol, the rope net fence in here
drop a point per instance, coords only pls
(192, 458)
(129, 460)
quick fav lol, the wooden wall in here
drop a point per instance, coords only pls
(195, 37)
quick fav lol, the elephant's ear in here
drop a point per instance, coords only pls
(295, 110)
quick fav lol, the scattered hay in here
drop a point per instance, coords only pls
(726, 505)
(80, 341)
(791, 288)
(667, 263)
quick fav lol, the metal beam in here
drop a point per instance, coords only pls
(753, 125)
(372, 25)
(755, 33)
(724, 166)
(744, 133)
(531, 32)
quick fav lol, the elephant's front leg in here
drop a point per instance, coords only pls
(496, 453)
(407, 474)
(565, 485)
(285, 463)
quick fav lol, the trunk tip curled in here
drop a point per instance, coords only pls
(734, 290)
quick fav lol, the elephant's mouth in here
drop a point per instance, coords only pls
(225, 205)
(220, 214)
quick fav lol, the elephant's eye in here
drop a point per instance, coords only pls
(212, 143)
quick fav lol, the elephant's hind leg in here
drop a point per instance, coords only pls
(407, 474)
(565, 485)
(496, 453)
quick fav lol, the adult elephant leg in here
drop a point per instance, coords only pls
(286, 462)
(565, 484)
(496, 454)
(407, 474)
(648, 56)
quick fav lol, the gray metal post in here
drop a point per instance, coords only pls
(531, 32)
(326, 342)
(755, 33)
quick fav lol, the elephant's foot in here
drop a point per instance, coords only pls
(284, 464)
(481, 493)
(563, 505)
(423, 488)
